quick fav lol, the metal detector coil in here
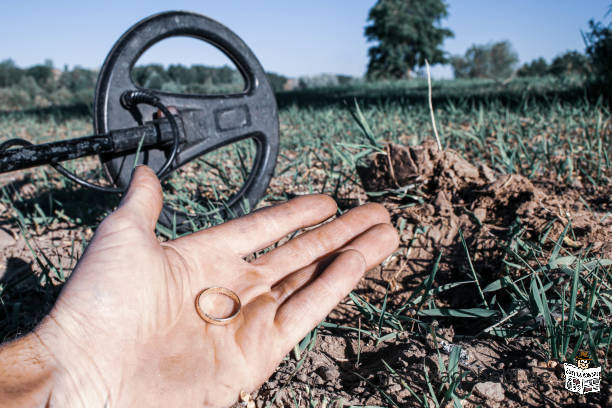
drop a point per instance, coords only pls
(198, 124)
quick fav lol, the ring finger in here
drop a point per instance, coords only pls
(374, 245)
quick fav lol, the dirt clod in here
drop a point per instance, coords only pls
(6, 239)
(490, 390)
(456, 195)
(522, 376)
(327, 373)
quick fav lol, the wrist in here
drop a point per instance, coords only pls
(26, 373)
(77, 380)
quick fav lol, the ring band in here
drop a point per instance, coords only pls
(220, 291)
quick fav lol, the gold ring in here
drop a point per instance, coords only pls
(221, 291)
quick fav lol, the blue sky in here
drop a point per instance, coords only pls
(289, 37)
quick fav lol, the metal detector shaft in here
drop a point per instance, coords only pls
(116, 141)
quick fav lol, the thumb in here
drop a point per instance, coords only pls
(143, 200)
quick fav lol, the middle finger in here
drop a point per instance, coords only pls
(317, 243)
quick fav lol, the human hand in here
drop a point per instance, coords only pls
(125, 331)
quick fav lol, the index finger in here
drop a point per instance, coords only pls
(264, 227)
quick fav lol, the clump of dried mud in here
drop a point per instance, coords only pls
(458, 195)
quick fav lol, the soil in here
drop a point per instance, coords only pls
(460, 196)
(435, 196)
(455, 196)
(444, 194)
(330, 372)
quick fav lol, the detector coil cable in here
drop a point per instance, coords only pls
(130, 101)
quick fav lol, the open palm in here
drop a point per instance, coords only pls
(127, 322)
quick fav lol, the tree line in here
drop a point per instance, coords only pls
(406, 33)
(44, 85)
(499, 60)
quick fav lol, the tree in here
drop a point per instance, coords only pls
(10, 74)
(408, 32)
(181, 74)
(41, 73)
(571, 62)
(143, 74)
(77, 79)
(224, 75)
(154, 81)
(599, 48)
(493, 60)
(537, 67)
(277, 81)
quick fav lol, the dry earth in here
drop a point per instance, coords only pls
(348, 369)
(445, 195)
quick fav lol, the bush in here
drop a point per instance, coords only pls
(318, 81)
(10, 74)
(496, 60)
(570, 63)
(599, 49)
(41, 85)
(12, 98)
(536, 68)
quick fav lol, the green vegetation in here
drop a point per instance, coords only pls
(495, 60)
(499, 60)
(407, 33)
(548, 122)
(197, 79)
(599, 48)
(44, 86)
(541, 128)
